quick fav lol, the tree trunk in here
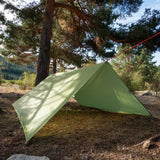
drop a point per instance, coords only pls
(44, 55)
(54, 65)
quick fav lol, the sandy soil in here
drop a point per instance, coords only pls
(80, 133)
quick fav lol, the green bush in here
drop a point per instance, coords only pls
(127, 81)
(12, 81)
(2, 81)
(137, 81)
(19, 82)
(27, 81)
(134, 81)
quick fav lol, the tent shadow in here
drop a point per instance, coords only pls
(92, 129)
(11, 95)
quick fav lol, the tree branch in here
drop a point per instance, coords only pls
(79, 5)
(118, 40)
(55, 12)
(75, 28)
(79, 12)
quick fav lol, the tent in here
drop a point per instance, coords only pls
(96, 86)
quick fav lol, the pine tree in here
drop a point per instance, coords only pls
(89, 26)
(136, 66)
(85, 16)
(21, 45)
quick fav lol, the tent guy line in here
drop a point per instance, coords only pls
(134, 46)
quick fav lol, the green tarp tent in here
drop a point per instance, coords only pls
(96, 86)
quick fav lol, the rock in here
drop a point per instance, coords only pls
(146, 144)
(147, 94)
(26, 157)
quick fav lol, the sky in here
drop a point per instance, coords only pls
(153, 4)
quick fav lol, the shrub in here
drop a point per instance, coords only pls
(27, 81)
(134, 81)
(127, 81)
(137, 82)
(12, 81)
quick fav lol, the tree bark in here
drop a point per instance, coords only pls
(54, 66)
(44, 55)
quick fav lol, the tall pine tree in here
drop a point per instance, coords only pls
(90, 26)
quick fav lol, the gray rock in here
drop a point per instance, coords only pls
(26, 157)
(147, 94)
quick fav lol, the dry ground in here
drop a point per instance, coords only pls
(81, 133)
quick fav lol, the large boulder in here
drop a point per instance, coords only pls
(26, 157)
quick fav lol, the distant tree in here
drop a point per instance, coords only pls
(135, 69)
(125, 66)
(156, 82)
(146, 66)
(0, 73)
(27, 80)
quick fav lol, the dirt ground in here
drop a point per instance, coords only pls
(81, 133)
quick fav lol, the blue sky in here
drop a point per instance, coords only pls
(153, 4)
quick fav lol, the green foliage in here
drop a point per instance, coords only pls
(127, 81)
(145, 66)
(2, 80)
(156, 82)
(70, 30)
(27, 80)
(12, 81)
(137, 81)
(137, 69)
(147, 26)
(79, 28)
(0, 75)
